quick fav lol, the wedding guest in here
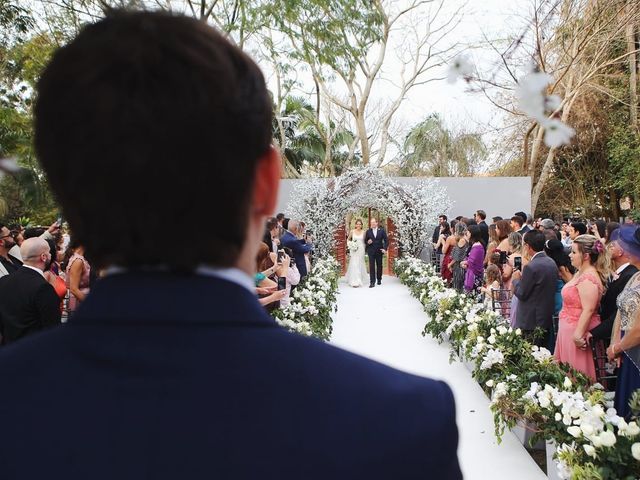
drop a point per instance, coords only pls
(447, 260)
(493, 283)
(611, 226)
(496, 219)
(172, 368)
(580, 301)
(272, 234)
(493, 243)
(555, 250)
(625, 339)
(292, 276)
(517, 225)
(534, 287)
(576, 229)
(435, 238)
(8, 263)
(293, 241)
(548, 227)
(503, 229)
(623, 263)
(280, 218)
(444, 234)
(52, 274)
(598, 229)
(28, 303)
(458, 254)
(480, 217)
(78, 276)
(515, 261)
(474, 264)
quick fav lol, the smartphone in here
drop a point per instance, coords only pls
(280, 255)
(60, 220)
(517, 263)
(282, 283)
(503, 258)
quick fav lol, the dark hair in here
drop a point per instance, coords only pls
(271, 224)
(601, 225)
(285, 223)
(481, 214)
(496, 219)
(33, 232)
(161, 106)
(71, 249)
(579, 227)
(518, 219)
(280, 217)
(522, 215)
(452, 225)
(443, 217)
(446, 228)
(535, 239)
(555, 250)
(475, 234)
(609, 229)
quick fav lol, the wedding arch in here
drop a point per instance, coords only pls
(324, 204)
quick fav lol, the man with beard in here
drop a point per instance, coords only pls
(28, 303)
(8, 263)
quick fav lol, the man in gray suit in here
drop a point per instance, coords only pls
(535, 288)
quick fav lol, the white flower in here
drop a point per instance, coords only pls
(633, 429)
(460, 67)
(607, 438)
(557, 133)
(489, 383)
(544, 401)
(558, 417)
(567, 383)
(590, 450)
(635, 451)
(574, 431)
(491, 339)
(518, 331)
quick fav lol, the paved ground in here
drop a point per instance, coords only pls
(384, 324)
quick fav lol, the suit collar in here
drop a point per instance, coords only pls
(140, 297)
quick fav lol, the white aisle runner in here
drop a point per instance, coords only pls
(385, 324)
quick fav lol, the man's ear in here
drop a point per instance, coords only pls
(267, 182)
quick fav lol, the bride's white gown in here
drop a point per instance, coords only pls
(357, 275)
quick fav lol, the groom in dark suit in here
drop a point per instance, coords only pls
(171, 368)
(377, 243)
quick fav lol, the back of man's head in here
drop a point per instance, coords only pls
(481, 214)
(579, 227)
(535, 239)
(144, 123)
(31, 250)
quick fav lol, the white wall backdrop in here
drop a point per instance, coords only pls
(501, 196)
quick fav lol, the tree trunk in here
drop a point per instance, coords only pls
(633, 71)
(361, 129)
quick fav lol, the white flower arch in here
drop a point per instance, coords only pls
(323, 204)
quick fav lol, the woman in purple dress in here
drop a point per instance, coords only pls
(474, 264)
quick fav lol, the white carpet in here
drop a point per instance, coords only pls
(385, 324)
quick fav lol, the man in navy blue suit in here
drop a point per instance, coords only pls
(297, 245)
(170, 369)
(377, 243)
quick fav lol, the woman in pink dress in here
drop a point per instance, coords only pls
(581, 298)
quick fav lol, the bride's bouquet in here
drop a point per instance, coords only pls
(353, 246)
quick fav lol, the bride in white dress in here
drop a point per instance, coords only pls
(357, 275)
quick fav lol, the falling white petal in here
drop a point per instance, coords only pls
(9, 165)
(460, 67)
(557, 133)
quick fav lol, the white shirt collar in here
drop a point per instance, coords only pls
(233, 275)
(35, 269)
(621, 268)
(536, 254)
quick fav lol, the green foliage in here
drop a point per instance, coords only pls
(624, 158)
(336, 33)
(432, 149)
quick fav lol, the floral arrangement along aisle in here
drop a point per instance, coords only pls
(526, 385)
(313, 301)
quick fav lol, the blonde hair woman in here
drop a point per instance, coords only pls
(580, 300)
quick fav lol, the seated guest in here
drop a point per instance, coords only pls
(493, 282)
(580, 303)
(171, 368)
(625, 339)
(28, 303)
(293, 241)
(622, 261)
(535, 288)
